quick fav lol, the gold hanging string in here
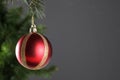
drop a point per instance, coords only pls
(33, 21)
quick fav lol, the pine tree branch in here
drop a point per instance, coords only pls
(36, 7)
(45, 72)
(11, 22)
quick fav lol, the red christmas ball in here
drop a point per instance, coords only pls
(33, 51)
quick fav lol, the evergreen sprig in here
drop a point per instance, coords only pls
(36, 7)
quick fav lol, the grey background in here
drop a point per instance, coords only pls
(85, 39)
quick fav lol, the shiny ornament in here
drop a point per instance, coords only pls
(33, 51)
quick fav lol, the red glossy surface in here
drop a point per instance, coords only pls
(34, 50)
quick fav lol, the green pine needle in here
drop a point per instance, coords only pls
(36, 7)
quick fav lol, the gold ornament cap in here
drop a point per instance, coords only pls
(33, 28)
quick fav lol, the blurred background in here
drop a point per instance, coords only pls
(85, 39)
